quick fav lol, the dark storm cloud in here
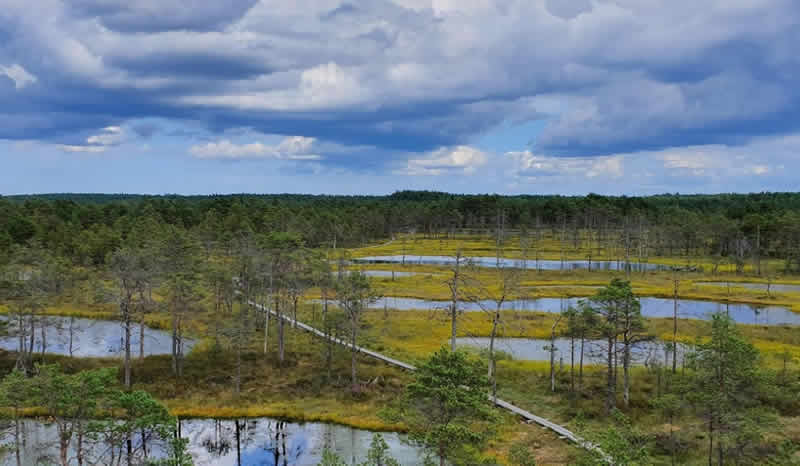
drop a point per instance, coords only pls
(161, 15)
(194, 65)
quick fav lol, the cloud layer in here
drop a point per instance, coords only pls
(408, 86)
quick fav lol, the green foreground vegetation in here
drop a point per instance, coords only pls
(191, 266)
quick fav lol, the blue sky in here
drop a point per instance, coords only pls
(333, 96)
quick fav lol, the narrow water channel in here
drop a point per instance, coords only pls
(651, 307)
(517, 263)
(777, 287)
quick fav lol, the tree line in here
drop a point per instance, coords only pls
(737, 228)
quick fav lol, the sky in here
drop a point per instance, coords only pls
(373, 96)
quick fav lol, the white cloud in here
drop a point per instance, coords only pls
(19, 75)
(763, 164)
(291, 148)
(461, 159)
(326, 86)
(530, 165)
(109, 136)
(86, 149)
(698, 162)
(721, 161)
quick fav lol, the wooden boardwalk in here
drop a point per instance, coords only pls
(562, 431)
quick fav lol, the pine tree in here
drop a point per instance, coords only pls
(725, 389)
(447, 397)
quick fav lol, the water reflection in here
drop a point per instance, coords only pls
(274, 442)
(229, 442)
(77, 337)
(533, 349)
(39, 445)
(528, 264)
(651, 307)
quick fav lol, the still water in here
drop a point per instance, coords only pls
(533, 349)
(651, 307)
(88, 337)
(229, 442)
(518, 263)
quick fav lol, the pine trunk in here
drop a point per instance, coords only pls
(127, 325)
(354, 378)
(610, 379)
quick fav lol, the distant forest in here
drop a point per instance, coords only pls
(738, 227)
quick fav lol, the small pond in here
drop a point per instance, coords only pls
(529, 264)
(87, 337)
(533, 349)
(246, 442)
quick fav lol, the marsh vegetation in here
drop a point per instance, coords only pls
(575, 306)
